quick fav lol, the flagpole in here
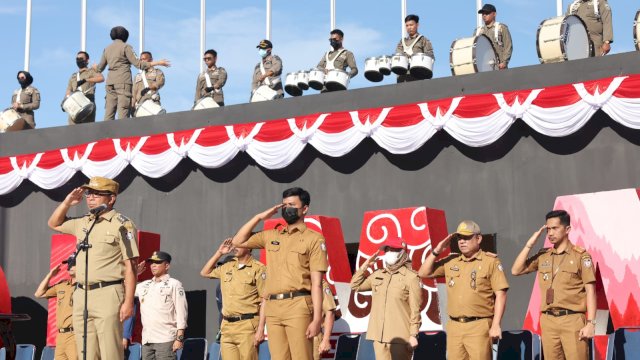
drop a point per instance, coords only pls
(558, 7)
(268, 37)
(27, 38)
(203, 32)
(332, 13)
(83, 25)
(141, 34)
(403, 14)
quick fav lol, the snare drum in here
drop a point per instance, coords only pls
(206, 102)
(472, 55)
(562, 38)
(149, 108)
(399, 64)
(636, 31)
(336, 79)
(291, 84)
(384, 65)
(316, 79)
(303, 80)
(263, 93)
(10, 120)
(78, 106)
(421, 66)
(371, 70)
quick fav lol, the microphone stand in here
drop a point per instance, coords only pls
(84, 246)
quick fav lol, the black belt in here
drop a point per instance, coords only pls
(65, 330)
(466, 319)
(239, 318)
(289, 295)
(560, 312)
(99, 285)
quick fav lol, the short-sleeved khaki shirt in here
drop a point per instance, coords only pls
(293, 253)
(472, 283)
(113, 240)
(328, 302)
(567, 272)
(63, 292)
(242, 287)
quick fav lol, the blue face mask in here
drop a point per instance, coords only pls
(262, 53)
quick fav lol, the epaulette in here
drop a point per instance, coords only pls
(280, 226)
(579, 249)
(123, 219)
(60, 282)
(544, 250)
(490, 254)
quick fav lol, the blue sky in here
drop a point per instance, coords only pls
(299, 33)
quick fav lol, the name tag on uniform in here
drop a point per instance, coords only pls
(454, 268)
(275, 243)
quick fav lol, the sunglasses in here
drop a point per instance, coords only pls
(88, 194)
(207, 58)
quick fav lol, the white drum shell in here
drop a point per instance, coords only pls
(10, 120)
(421, 66)
(384, 64)
(263, 93)
(636, 31)
(371, 70)
(472, 55)
(316, 79)
(78, 106)
(336, 80)
(291, 84)
(562, 38)
(400, 64)
(149, 108)
(206, 102)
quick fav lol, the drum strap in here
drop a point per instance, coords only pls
(330, 63)
(574, 7)
(78, 79)
(267, 81)
(207, 80)
(409, 49)
(496, 32)
(18, 96)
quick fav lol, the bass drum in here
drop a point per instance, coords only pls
(421, 66)
(336, 79)
(371, 70)
(563, 38)
(206, 102)
(263, 93)
(636, 31)
(10, 120)
(78, 106)
(149, 108)
(472, 55)
(316, 79)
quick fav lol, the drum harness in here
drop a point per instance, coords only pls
(330, 63)
(207, 80)
(574, 7)
(266, 80)
(496, 32)
(409, 49)
(80, 87)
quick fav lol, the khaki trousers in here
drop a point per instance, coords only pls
(560, 337)
(66, 347)
(392, 351)
(287, 322)
(104, 329)
(469, 341)
(236, 342)
(118, 98)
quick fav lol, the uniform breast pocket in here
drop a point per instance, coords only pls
(60, 296)
(107, 243)
(26, 97)
(453, 278)
(399, 291)
(544, 274)
(376, 285)
(570, 271)
(300, 256)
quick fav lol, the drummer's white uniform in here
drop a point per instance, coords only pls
(414, 45)
(500, 37)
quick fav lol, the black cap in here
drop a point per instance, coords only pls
(487, 9)
(265, 44)
(71, 260)
(159, 256)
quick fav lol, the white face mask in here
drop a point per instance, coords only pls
(392, 257)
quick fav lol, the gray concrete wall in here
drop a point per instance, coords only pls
(506, 187)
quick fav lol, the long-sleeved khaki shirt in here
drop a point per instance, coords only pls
(120, 56)
(339, 59)
(500, 37)
(218, 76)
(423, 45)
(599, 26)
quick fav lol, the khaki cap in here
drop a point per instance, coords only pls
(99, 183)
(467, 228)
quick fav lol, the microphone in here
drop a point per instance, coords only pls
(98, 209)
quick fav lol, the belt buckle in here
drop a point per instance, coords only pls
(555, 312)
(463, 319)
(279, 296)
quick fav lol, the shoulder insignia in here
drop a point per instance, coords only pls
(263, 276)
(586, 261)
(123, 219)
(490, 254)
(544, 250)
(323, 247)
(579, 249)
(327, 291)
(500, 268)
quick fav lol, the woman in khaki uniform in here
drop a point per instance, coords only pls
(396, 293)
(26, 99)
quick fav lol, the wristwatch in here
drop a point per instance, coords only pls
(180, 338)
(592, 322)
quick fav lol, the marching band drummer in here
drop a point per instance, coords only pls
(26, 99)
(339, 57)
(268, 70)
(84, 80)
(414, 43)
(145, 90)
(211, 82)
(498, 33)
(596, 15)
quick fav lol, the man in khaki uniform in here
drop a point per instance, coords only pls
(596, 15)
(338, 58)
(26, 99)
(414, 43)
(120, 56)
(112, 262)
(498, 33)
(211, 82)
(296, 263)
(396, 296)
(143, 91)
(84, 80)
(322, 342)
(268, 70)
(242, 284)
(63, 292)
(476, 293)
(567, 279)
(163, 310)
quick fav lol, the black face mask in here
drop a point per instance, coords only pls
(81, 63)
(23, 83)
(335, 44)
(290, 215)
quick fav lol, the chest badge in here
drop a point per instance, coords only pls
(545, 276)
(451, 282)
(274, 242)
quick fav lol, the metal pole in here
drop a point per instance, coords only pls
(83, 25)
(403, 14)
(141, 34)
(27, 38)
(332, 13)
(558, 7)
(203, 32)
(268, 37)
(479, 21)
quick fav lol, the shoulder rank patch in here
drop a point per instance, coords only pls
(327, 291)
(123, 219)
(490, 254)
(129, 236)
(579, 249)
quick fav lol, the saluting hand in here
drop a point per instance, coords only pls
(371, 260)
(141, 267)
(267, 214)
(532, 240)
(74, 197)
(225, 247)
(55, 270)
(444, 244)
